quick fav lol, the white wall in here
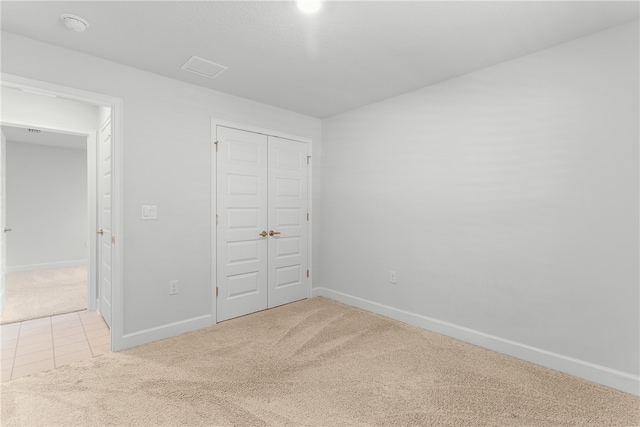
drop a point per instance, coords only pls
(166, 163)
(19, 106)
(46, 207)
(507, 202)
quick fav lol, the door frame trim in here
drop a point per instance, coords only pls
(117, 121)
(214, 209)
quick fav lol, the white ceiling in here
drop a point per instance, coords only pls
(348, 55)
(51, 139)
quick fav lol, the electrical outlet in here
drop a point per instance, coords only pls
(173, 287)
(392, 277)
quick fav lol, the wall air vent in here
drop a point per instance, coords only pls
(202, 67)
(34, 130)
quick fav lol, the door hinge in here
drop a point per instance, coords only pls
(113, 239)
(307, 216)
(217, 219)
(307, 273)
(216, 292)
(216, 144)
(308, 159)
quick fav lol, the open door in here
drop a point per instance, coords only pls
(105, 230)
(3, 220)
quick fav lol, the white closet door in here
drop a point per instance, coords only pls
(105, 232)
(242, 217)
(288, 280)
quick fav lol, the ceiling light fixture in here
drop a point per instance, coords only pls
(309, 6)
(74, 23)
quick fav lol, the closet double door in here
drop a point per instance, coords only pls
(261, 222)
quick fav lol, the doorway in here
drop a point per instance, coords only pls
(47, 214)
(262, 221)
(105, 291)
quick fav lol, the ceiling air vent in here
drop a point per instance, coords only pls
(200, 66)
(34, 130)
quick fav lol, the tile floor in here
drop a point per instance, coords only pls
(43, 344)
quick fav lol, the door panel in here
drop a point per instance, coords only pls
(105, 277)
(288, 280)
(3, 220)
(242, 216)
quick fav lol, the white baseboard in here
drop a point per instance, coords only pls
(619, 380)
(47, 266)
(165, 331)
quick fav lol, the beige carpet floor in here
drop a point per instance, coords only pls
(36, 294)
(318, 363)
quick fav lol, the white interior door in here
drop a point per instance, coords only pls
(105, 204)
(288, 280)
(242, 223)
(3, 220)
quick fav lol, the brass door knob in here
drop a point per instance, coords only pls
(273, 233)
(263, 234)
(100, 232)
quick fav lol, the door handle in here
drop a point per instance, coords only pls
(100, 232)
(273, 233)
(7, 230)
(263, 234)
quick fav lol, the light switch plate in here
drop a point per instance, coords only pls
(149, 212)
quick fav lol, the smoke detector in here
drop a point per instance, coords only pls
(74, 23)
